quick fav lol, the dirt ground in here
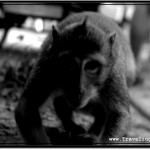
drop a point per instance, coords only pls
(10, 90)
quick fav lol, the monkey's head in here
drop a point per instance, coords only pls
(83, 61)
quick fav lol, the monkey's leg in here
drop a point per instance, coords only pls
(64, 112)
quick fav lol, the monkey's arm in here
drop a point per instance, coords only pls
(30, 125)
(118, 103)
(112, 121)
(37, 89)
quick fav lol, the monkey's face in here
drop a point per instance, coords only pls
(82, 77)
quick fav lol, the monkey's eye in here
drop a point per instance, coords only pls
(92, 67)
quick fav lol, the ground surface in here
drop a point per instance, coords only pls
(10, 90)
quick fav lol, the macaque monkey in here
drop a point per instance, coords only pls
(85, 65)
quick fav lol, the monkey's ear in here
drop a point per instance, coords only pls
(112, 38)
(84, 22)
(82, 26)
(55, 33)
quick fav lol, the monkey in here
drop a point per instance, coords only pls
(85, 65)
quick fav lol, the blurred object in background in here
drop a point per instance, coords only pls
(116, 12)
(83, 6)
(23, 40)
(29, 26)
(119, 13)
(130, 9)
(140, 35)
(39, 24)
(2, 24)
(53, 10)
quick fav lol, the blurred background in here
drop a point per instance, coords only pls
(23, 28)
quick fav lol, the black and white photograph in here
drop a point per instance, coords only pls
(74, 74)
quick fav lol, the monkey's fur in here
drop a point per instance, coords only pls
(85, 65)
